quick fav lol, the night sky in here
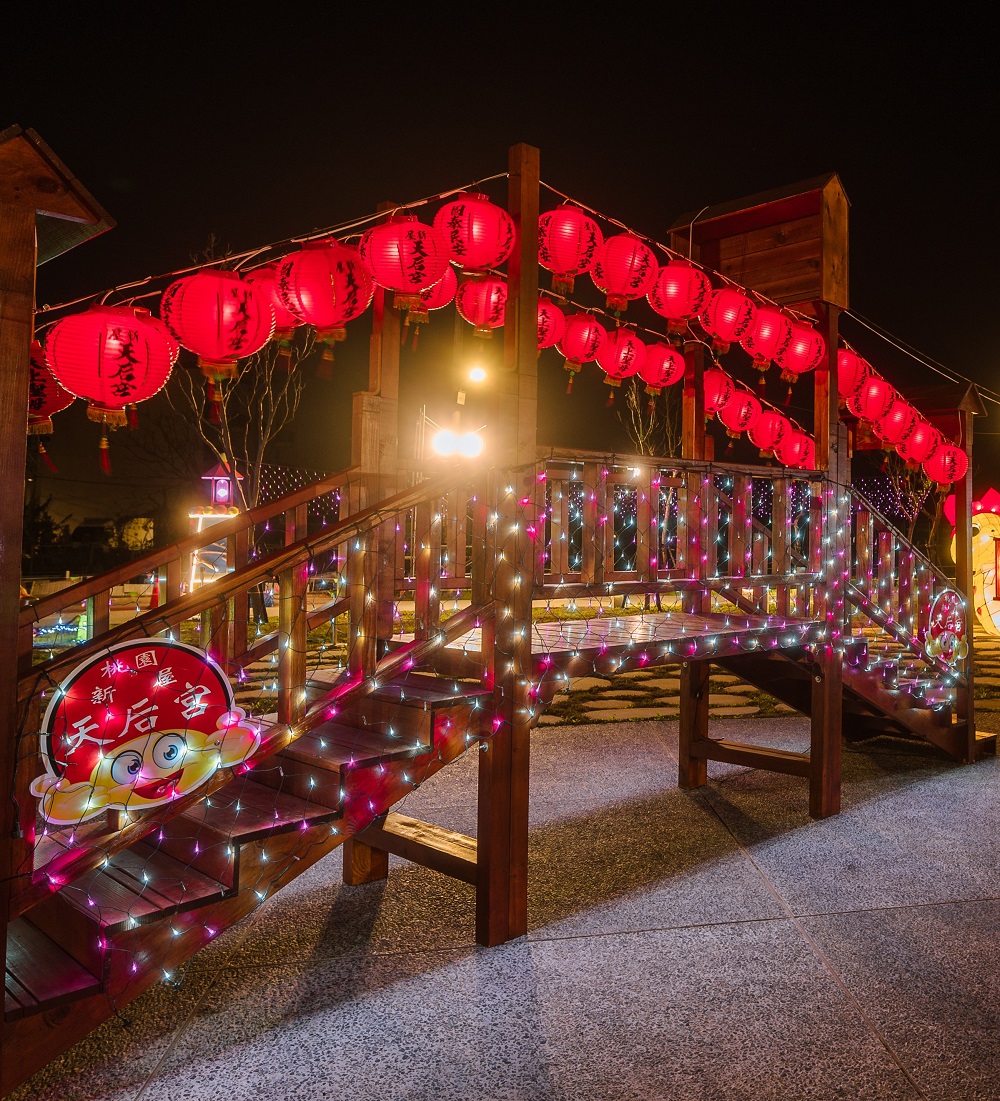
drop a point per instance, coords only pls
(258, 129)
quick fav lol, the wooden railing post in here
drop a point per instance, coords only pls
(781, 543)
(592, 551)
(237, 556)
(361, 574)
(293, 585)
(98, 613)
(427, 568)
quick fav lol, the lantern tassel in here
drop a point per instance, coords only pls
(611, 399)
(650, 408)
(212, 397)
(569, 385)
(105, 455)
(729, 446)
(47, 458)
(133, 418)
(788, 396)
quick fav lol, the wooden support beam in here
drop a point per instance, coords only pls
(423, 843)
(427, 568)
(364, 863)
(752, 756)
(692, 769)
(965, 706)
(825, 732)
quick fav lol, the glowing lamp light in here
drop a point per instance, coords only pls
(803, 352)
(483, 303)
(449, 444)
(477, 374)
(920, 444)
(45, 395)
(852, 371)
(897, 423)
(768, 336)
(621, 356)
(663, 366)
(404, 256)
(740, 413)
(551, 323)
(727, 317)
(948, 464)
(679, 293)
(872, 399)
(718, 389)
(624, 269)
(580, 343)
(769, 430)
(477, 234)
(568, 240)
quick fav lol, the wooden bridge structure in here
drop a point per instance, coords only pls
(785, 577)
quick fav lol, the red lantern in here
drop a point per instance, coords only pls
(852, 371)
(947, 464)
(580, 343)
(767, 337)
(796, 449)
(483, 303)
(920, 444)
(663, 366)
(568, 240)
(872, 399)
(897, 423)
(45, 395)
(621, 356)
(219, 316)
(740, 413)
(477, 234)
(624, 269)
(679, 292)
(803, 352)
(727, 317)
(325, 285)
(768, 432)
(405, 256)
(285, 322)
(718, 389)
(434, 298)
(551, 323)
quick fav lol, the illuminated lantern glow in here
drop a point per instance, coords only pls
(568, 240)
(796, 449)
(919, 444)
(404, 256)
(220, 317)
(852, 371)
(679, 292)
(483, 303)
(580, 343)
(477, 234)
(434, 298)
(285, 322)
(621, 356)
(948, 464)
(663, 366)
(45, 396)
(769, 430)
(727, 317)
(326, 285)
(897, 423)
(718, 389)
(872, 399)
(767, 337)
(740, 413)
(803, 352)
(551, 323)
(624, 269)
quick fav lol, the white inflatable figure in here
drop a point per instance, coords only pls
(985, 544)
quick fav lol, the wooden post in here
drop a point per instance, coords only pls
(501, 889)
(965, 707)
(293, 625)
(595, 493)
(692, 771)
(427, 568)
(825, 733)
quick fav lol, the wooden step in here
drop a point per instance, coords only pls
(40, 975)
(336, 746)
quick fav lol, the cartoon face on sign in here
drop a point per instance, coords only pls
(945, 637)
(143, 723)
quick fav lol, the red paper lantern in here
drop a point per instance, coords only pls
(872, 399)
(112, 356)
(718, 389)
(568, 240)
(624, 269)
(679, 292)
(803, 352)
(580, 343)
(405, 256)
(852, 371)
(285, 322)
(45, 395)
(551, 323)
(477, 234)
(768, 432)
(726, 317)
(947, 464)
(483, 303)
(740, 413)
(326, 285)
(897, 423)
(662, 367)
(621, 356)
(434, 298)
(920, 444)
(796, 449)
(219, 316)
(768, 336)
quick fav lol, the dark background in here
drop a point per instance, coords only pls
(191, 122)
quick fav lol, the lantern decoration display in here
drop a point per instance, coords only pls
(404, 256)
(897, 423)
(727, 317)
(551, 323)
(947, 464)
(620, 356)
(796, 449)
(852, 371)
(580, 343)
(285, 322)
(768, 431)
(483, 303)
(919, 444)
(624, 269)
(220, 317)
(679, 292)
(325, 285)
(434, 298)
(740, 413)
(872, 399)
(718, 389)
(767, 337)
(663, 366)
(803, 352)
(477, 235)
(568, 240)
(45, 395)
